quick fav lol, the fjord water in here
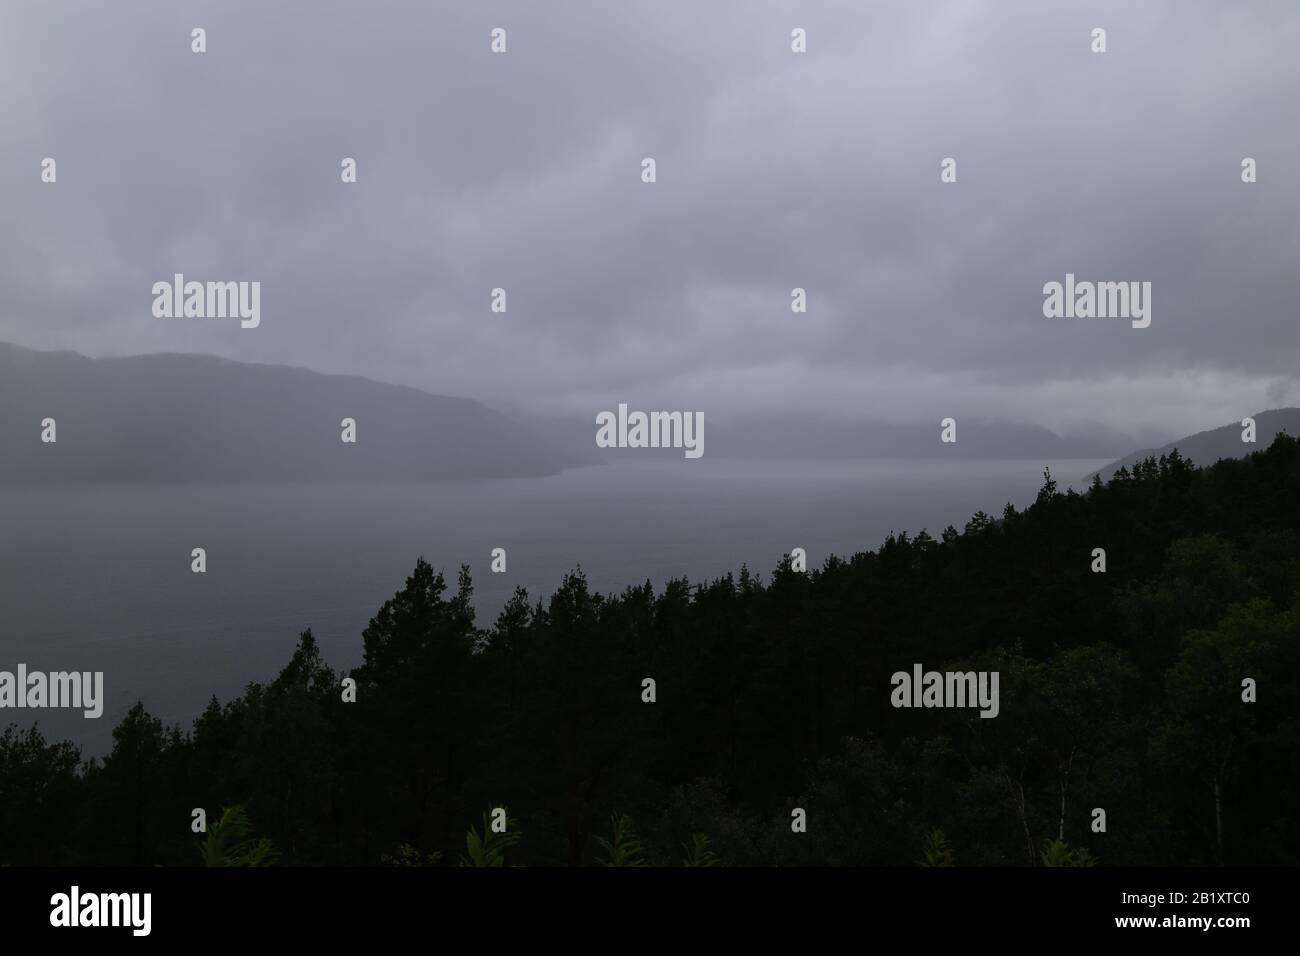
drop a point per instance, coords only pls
(96, 577)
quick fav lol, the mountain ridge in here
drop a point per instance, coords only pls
(1204, 448)
(179, 416)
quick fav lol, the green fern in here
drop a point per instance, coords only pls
(489, 848)
(625, 847)
(936, 850)
(230, 842)
(699, 852)
(1060, 853)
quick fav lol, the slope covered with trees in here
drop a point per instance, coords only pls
(1119, 690)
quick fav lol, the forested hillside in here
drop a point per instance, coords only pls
(1120, 690)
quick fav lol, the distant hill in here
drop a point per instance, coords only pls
(172, 417)
(820, 440)
(1205, 448)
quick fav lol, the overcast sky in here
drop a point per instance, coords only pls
(775, 170)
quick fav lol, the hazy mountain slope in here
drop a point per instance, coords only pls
(192, 417)
(815, 439)
(975, 439)
(1205, 448)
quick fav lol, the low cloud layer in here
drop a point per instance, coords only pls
(775, 170)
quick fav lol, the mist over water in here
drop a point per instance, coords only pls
(97, 577)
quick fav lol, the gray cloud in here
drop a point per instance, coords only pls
(775, 171)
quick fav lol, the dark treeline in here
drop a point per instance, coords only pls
(1119, 690)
